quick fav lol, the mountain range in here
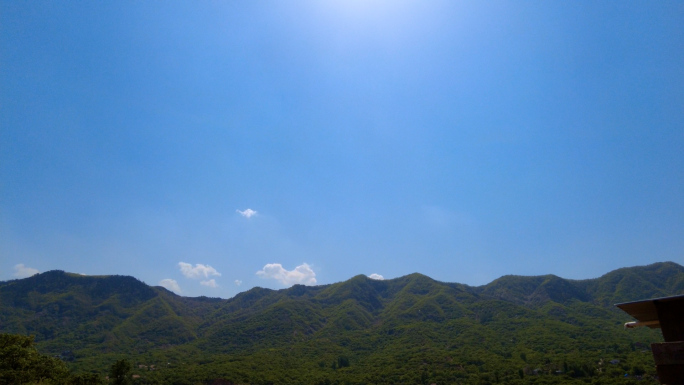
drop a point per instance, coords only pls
(411, 329)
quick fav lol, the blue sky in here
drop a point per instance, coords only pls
(461, 140)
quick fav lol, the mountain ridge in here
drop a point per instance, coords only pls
(580, 282)
(362, 320)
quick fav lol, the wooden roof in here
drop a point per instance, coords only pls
(646, 311)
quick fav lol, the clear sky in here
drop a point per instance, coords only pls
(214, 146)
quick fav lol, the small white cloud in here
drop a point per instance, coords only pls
(170, 284)
(302, 274)
(21, 271)
(210, 283)
(376, 276)
(238, 282)
(198, 272)
(247, 213)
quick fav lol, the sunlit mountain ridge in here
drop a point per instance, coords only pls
(384, 329)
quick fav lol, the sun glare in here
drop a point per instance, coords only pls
(369, 10)
(357, 22)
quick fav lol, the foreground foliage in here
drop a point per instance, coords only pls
(20, 363)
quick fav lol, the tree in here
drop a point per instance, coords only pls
(342, 362)
(119, 372)
(20, 362)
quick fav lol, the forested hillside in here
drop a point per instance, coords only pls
(407, 330)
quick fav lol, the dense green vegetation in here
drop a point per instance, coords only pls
(20, 363)
(410, 330)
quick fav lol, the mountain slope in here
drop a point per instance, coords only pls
(359, 329)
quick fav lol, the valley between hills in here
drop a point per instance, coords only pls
(408, 330)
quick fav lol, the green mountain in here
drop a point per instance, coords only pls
(411, 329)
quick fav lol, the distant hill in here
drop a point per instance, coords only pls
(411, 329)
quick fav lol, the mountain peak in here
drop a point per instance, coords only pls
(120, 314)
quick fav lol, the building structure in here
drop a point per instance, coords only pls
(667, 314)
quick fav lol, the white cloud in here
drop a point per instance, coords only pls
(238, 282)
(198, 272)
(301, 274)
(210, 283)
(247, 213)
(21, 271)
(170, 284)
(376, 276)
